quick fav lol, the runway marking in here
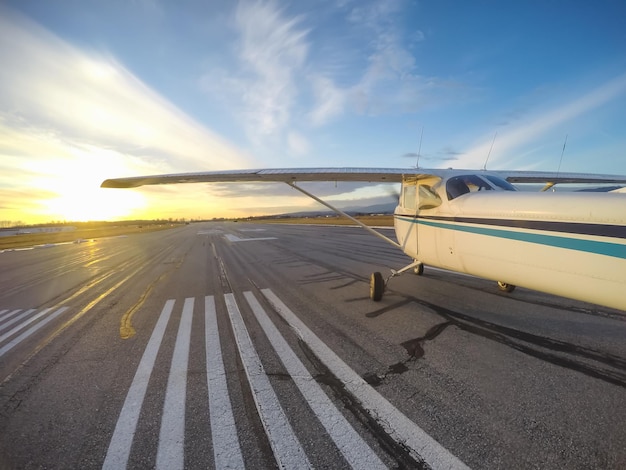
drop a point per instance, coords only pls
(226, 446)
(351, 445)
(396, 424)
(288, 451)
(7, 250)
(122, 439)
(15, 341)
(170, 454)
(8, 314)
(8, 323)
(235, 239)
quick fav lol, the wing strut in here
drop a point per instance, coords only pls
(342, 213)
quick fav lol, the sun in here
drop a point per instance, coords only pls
(80, 204)
(72, 181)
(78, 197)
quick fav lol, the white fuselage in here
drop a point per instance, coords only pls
(568, 244)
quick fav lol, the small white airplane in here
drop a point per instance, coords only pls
(571, 244)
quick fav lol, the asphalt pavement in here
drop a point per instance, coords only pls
(235, 345)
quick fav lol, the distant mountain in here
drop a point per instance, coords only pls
(386, 208)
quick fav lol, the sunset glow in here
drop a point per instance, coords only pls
(253, 84)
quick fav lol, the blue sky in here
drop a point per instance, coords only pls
(99, 89)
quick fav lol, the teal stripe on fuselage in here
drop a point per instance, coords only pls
(615, 250)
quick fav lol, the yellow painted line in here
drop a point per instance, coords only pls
(76, 317)
(122, 439)
(126, 326)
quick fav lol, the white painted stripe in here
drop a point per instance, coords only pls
(396, 424)
(288, 452)
(4, 316)
(235, 238)
(3, 311)
(8, 250)
(25, 324)
(15, 320)
(351, 445)
(10, 345)
(122, 440)
(171, 451)
(226, 447)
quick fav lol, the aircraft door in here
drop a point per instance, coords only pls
(418, 196)
(406, 218)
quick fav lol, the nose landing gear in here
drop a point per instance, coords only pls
(378, 283)
(377, 286)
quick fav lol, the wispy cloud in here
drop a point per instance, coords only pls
(285, 71)
(298, 144)
(388, 81)
(88, 97)
(330, 100)
(69, 116)
(271, 50)
(512, 139)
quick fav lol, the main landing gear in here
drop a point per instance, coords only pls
(378, 283)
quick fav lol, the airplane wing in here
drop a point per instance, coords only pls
(373, 175)
(554, 177)
(285, 175)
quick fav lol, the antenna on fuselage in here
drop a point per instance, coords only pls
(490, 148)
(551, 184)
(562, 152)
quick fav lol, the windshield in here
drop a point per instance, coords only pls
(500, 183)
(460, 185)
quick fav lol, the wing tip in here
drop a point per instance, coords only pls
(116, 183)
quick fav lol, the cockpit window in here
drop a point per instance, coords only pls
(419, 196)
(460, 185)
(409, 196)
(500, 183)
(428, 199)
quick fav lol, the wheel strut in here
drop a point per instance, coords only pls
(378, 283)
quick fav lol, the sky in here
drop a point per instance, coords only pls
(114, 88)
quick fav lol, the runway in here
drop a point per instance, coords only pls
(235, 345)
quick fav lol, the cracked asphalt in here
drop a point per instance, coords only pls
(494, 380)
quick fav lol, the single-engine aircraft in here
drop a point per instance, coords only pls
(571, 244)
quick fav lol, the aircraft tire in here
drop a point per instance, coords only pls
(419, 269)
(377, 286)
(504, 287)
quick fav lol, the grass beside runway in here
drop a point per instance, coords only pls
(371, 220)
(92, 231)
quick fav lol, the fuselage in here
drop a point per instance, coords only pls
(571, 244)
